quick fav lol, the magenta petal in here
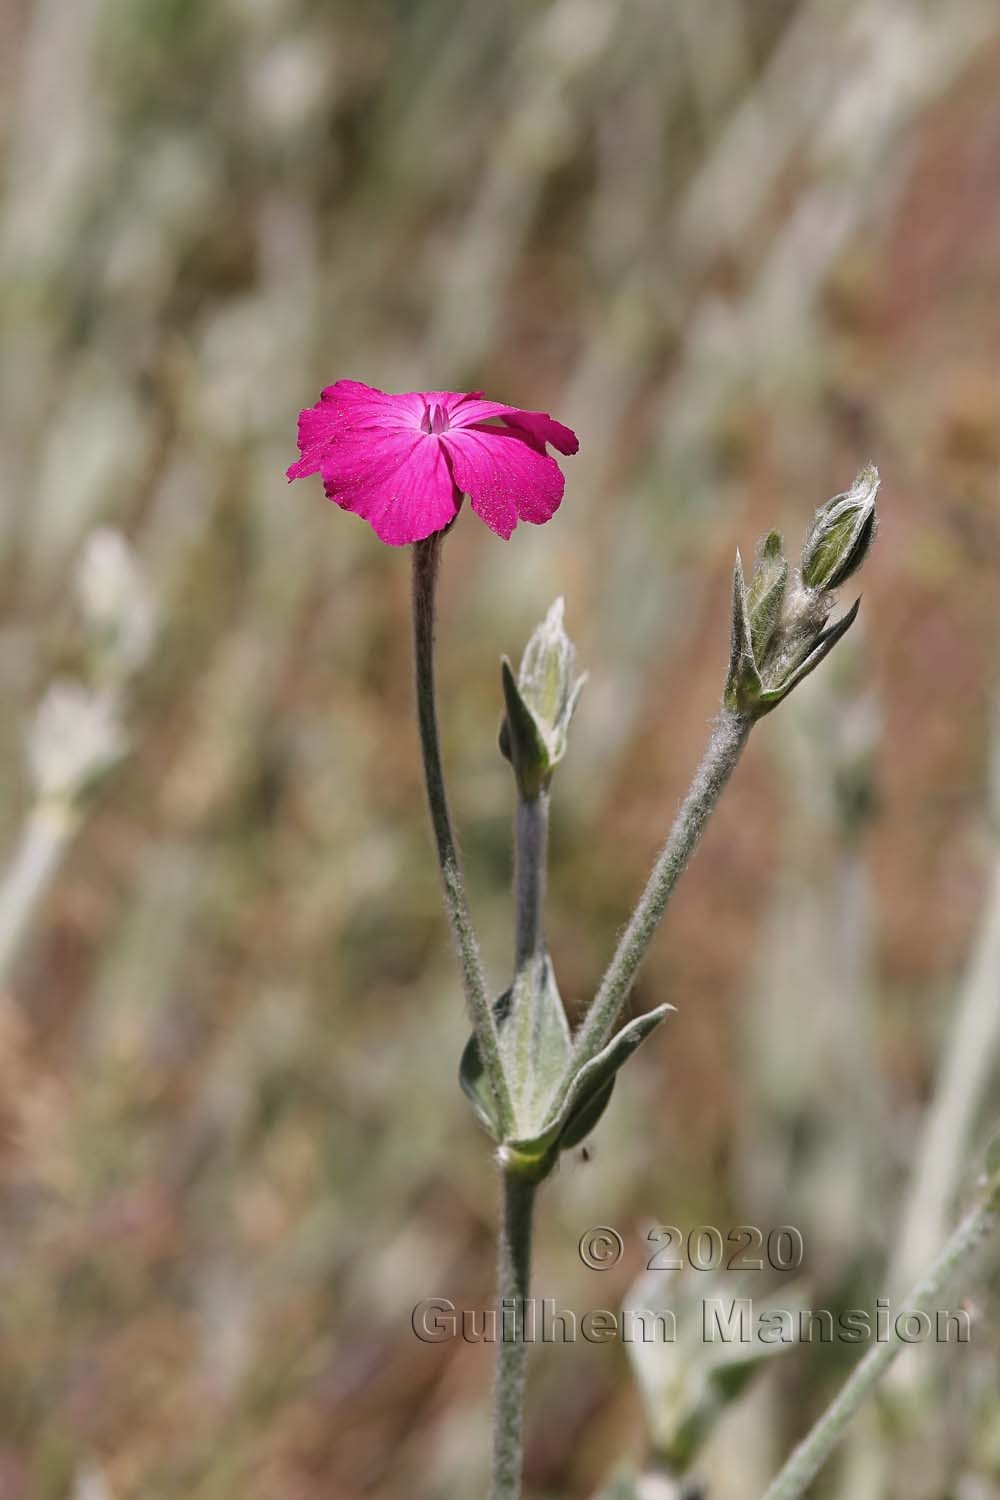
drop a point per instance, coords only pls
(350, 406)
(318, 426)
(506, 479)
(399, 482)
(350, 402)
(536, 425)
(404, 461)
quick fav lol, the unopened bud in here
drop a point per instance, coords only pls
(540, 703)
(842, 534)
(780, 632)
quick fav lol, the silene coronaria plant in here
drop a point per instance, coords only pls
(405, 463)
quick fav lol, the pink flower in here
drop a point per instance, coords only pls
(404, 462)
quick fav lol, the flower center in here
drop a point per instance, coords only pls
(435, 419)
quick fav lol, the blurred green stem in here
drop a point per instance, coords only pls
(729, 735)
(426, 557)
(957, 1256)
(514, 1280)
(46, 834)
(531, 837)
(963, 1081)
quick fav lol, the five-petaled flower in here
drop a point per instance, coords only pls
(404, 462)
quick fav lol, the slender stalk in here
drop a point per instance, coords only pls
(531, 837)
(514, 1282)
(729, 735)
(426, 556)
(957, 1255)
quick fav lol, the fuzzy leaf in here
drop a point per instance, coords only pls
(823, 646)
(766, 594)
(521, 738)
(472, 1074)
(540, 703)
(743, 684)
(535, 1047)
(587, 1096)
(535, 1041)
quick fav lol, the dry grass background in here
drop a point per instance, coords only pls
(740, 247)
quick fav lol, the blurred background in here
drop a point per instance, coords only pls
(741, 248)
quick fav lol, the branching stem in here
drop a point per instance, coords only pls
(729, 735)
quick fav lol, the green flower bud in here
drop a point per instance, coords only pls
(780, 633)
(540, 704)
(842, 534)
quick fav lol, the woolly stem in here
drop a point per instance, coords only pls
(729, 735)
(514, 1280)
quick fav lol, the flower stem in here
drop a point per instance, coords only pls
(729, 735)
(426, 556)
(531, 837)
(957, 1255)
(514, 1280)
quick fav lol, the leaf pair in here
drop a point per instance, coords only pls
(554, 1107)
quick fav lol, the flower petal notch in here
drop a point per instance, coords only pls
(404, 462)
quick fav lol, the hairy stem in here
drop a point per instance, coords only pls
(729, 736)
(957, 1256)
(531, 837)
(426, 556)
(514, 1281)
